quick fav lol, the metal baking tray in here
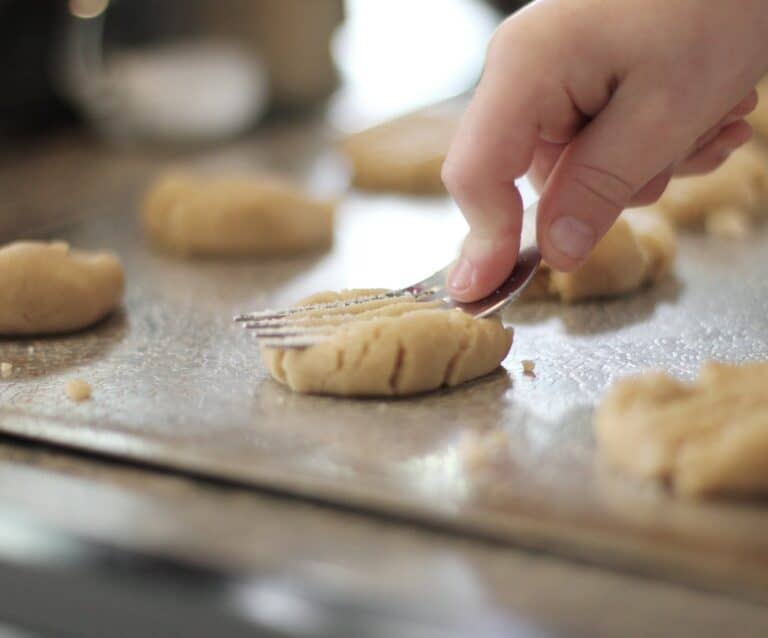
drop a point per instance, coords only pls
(177, 385)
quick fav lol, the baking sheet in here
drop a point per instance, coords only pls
(177, 384)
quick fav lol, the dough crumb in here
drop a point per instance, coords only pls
(30, 349)
(6, 370)
(529, 367)
(704, 438)
(79, 390)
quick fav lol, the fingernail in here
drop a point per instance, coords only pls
(462, 276)
(572, 237)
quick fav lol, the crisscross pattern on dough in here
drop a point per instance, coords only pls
(400, 347)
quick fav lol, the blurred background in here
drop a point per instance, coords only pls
(201, 71)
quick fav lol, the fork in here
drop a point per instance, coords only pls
(305, 326)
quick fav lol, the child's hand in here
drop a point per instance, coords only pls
(601, 101)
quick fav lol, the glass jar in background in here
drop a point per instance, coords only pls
(194, 71)
(293, 37)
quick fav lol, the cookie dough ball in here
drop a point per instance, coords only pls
(729, 201)
(759, 117)
(392, 348)
(195, 215)
(404, 155)
(639, 250)
(46, 288)
(704, 438)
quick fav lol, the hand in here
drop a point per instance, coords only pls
(600, 102)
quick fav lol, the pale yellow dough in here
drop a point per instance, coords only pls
(404, 155)
(47, 288)
(729, 201)
(393, 348)
(639, 250)
(704, 438)
(196, 215)
(759, 117)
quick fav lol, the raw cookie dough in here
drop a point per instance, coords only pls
(759, 117)
(195, 215)
(47, 288)
(729, 201)
(395, 347)
(704, 438)
(638, 250)
(404, 155)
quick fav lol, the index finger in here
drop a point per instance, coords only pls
(493, 146)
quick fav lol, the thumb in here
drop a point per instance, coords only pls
(613, 158)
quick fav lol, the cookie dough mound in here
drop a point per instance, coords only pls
(639, 250)
(729, 201)
(46, 288)
(705, 438)
(392, 348)
(759, 117)
(404, 155)
(194, 215)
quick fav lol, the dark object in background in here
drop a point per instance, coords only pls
(508, 6)
(292, 36)
(29, 38)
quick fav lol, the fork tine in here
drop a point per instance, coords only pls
(308, 325)
(301, 321)
(277, 314)
(291, 342)
(288, 331)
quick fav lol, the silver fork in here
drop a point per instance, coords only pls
(305, 326)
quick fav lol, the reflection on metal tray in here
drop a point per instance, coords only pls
(58, 583)
(176, 384)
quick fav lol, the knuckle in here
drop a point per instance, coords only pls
(512, 43)
(458, 178)
(603, 184)
(501, 36)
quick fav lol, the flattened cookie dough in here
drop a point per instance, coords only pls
(639, 250)
(195, 215)
(404, 155)
(729, 201)
(46, 288)
(393, 348)
(704, 438)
